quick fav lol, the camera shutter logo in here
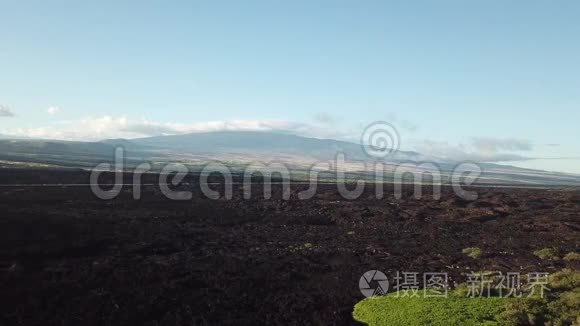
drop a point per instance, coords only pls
(373, 283)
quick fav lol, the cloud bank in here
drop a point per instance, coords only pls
(107, 127)
(494, 145)
(477, 149)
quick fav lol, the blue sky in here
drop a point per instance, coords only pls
(455, 77)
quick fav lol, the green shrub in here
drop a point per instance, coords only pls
(560, 310)
(523, 312)
(566, 309)
(473, 252)
(564, 280)
(572, 256)
(546, 253)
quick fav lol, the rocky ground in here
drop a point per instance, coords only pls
(68, 258)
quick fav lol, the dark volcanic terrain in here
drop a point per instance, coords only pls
(68, 258)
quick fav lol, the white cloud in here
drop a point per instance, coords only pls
(494, 145)
(85, 129)
(325, 118)
(53, 110)
(148, 128)
(5, 111)
(106, 127)
(478, 149)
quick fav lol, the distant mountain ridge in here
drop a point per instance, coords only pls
(223, 143)
(259, 142)
(240, 148)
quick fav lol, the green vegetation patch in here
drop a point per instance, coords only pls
(473, 252)
(526, 311)
(560, 307)
(565, 279)
(572, 256)
(301, 248)
(546, 253)
(453, 310)
(565, 310)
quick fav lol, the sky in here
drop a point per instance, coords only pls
(485, 80)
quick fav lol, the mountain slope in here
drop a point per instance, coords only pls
(242, 148)
(260, 142)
